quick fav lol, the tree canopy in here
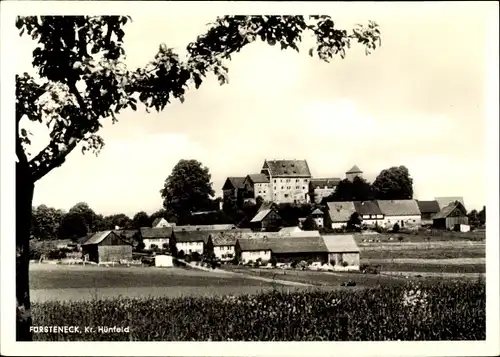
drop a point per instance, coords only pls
(188, 188)
(356, 190)
(394, 183)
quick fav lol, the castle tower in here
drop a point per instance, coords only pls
(353, 172)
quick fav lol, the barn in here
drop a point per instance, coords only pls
(252, 249)
(295, 249)
(266, 219)
(106, 246)
(343, 252)
(450, 216)
(428, 210)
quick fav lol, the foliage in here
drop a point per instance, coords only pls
(45, 222)
(394, 183)
(309, 224)
(482, 216)
(141, 219)
(354, 222)
(395, 228)
(448, 310)
(356, 190)
(73, 226)
(188, 188)
(273, 261)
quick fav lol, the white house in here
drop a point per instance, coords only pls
(192, 241)
(339, 213)
(224, 244)
(156, 237)
(403, 212)
(288, 180)
(252, 249)
(318, 217)
(160, 222)
(369, 213)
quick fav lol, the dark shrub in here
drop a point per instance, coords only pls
(395, 228)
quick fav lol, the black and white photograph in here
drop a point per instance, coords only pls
(232, 173)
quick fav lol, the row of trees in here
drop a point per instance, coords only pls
(394, 183)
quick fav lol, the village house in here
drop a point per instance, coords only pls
(353, 172)
(369, 213)
(193, 241)
(224, 244)
(339, 213)
(288, 180)
(318, 217)
(451, 216)
(343, 252)
(250, 250)
(233, 188)
(295, 249)
(160, 222)
(320, 188)
(428, 209)
(105, 247)
(403, 212)
(156, 238)
(257, 185)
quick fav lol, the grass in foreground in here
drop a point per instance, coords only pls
(443, 311)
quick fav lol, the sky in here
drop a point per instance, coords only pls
(417, 101)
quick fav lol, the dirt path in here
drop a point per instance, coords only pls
(450, 261)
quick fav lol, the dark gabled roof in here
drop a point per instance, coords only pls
(225, 238)
(192, 236)
(331, 182)
(428, 206)
(149, 233)
(341, 211)
(284, 244)
(233, 182)
(399, 207)
(259, 217)
(126, 233)
(85, 238)
(354, 170)
(446, 211)
(287, 168)
(367, 207)
(258, 178)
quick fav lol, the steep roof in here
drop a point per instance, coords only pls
(233, 182)
(148, 232)
(98, 237)
(285, 244)
(354, 170)
(127, 233)
(428, 206)
(258, 178)
(367, 207)
(340, 243)
(445, 201)
(399, 207)
(331, 182)
(340, 211)
(205, 227)
(157, 221)
(287, 168)
(261, 215)
(225, 238)
(446, 211)
(191, 236)
(317, 211)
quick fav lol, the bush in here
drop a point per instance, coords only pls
(374, 314)
(401, 238)
(196, 256)
(273, 261)
(369, 269)
(344, 264)
(395, 228)
(181, 254)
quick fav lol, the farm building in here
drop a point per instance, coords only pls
(266, 219)
(342, 250)
(318, 217)
(294, 249)
(370, 213)
(320, 188)
(160, 222)
(428, 209)
(165, 261)
(249, 250)
(224, 243)
(156, 237)
(403, 212)
(233, 188)
(106, 246)
(339, 214)
(450, 216)
(193, 241)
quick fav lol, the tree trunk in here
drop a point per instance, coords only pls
(24, 199)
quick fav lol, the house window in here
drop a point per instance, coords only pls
(275, 187)
(305, 180)
(260, 191)
(297, 180)
(414, 221)
(303, 188)
(274, 180)
(286, 195)
(282, 187)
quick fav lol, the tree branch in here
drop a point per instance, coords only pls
(40, 171)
